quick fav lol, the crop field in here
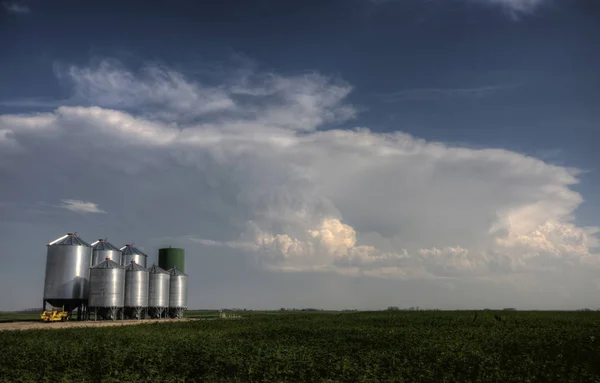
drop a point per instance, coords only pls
(15, 316)
(436, 346)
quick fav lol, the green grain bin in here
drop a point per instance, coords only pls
(171, 257)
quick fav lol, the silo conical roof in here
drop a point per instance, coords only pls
(130, 250)
(70, 239)
(154, 269)
(134, 267)
(176, 271)
(108, 264)
(103, 244)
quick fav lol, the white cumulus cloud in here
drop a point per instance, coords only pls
(80, 206)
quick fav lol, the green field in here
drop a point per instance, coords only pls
(19, 316)
(436, 346)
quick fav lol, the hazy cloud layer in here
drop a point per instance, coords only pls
(299, 102)
(518, 6)
(439, 94)
(245, 167)
(16, 8)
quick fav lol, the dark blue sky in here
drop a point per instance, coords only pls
(473, 73)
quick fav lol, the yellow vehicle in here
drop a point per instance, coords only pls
(57, 314)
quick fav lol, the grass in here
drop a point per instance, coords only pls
(19, 316)
(317, 347)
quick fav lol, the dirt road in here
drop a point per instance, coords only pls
(41, 325)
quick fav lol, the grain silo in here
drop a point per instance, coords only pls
(131, 253)
(158, 292)
(102, 249)
(177, 293)
(107, 290)
(171, 257)
(67, 273)
(136, 291)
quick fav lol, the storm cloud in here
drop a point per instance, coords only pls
(255, 178)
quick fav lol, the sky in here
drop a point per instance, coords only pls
(343, 154)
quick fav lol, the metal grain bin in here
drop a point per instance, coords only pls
(170, 257)
(136, 290)
(102, 249)
(177, 292)
(158, 291)
(131, 253)
(107, 290)
(67, 272)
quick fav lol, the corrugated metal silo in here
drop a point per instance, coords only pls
(107, 290)
(158, 292)
(177, 292)
(67, 273)
(136, 291)
(131, 253)
(102, 249)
